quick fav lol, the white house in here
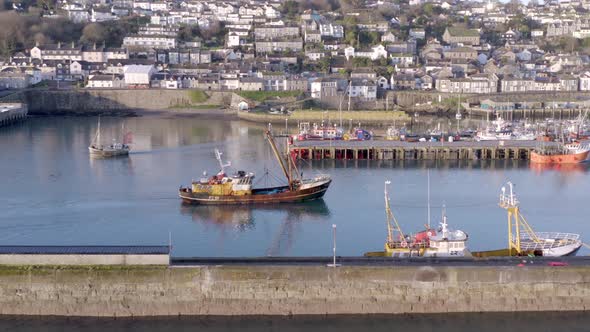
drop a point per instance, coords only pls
(143, 41)
(332, 30)
(324, 87)
(363, 88)
(585, 81)
(383, 83)
(374, 53)
(105, 82)
(138, 75)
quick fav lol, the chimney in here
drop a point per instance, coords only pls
(58, 44)
(94, 47)
(73, 45)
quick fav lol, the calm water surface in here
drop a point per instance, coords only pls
(53, 193)
(490, 322)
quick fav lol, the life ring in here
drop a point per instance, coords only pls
(404, 244)
(346, 137)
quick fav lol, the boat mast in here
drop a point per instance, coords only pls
(390, 216)
(97, 138)
(428, 196)
(273, 146)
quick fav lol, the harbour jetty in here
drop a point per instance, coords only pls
(400, 150)
(11, 113)
(251, 289)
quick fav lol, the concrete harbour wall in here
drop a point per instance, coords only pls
(289, 290)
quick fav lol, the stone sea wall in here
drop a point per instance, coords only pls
(289, 290)
(82, 101)
(129, 101)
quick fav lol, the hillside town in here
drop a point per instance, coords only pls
(321, 49)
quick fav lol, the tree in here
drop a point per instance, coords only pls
(94, 33)
(324, 64)
(290, 9)
(361, 62)
(513, 6)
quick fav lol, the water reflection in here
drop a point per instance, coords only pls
(243, 217)
(562, 168)
(448, 322)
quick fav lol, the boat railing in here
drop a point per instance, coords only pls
(548, 240)
(405, 244)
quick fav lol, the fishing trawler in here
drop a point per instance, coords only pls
(561, 154)
(238, 188)
(442, 242)
(115, 149)
(523, 240)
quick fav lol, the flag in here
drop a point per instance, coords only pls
(128, 138)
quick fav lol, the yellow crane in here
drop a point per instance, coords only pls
(517, 224)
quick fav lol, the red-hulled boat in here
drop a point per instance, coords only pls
(563, 154)
(238, 188)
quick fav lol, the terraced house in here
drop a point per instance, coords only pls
(453, 35)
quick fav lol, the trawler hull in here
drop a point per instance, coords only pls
(107, 153)
(573, 158)
(258, 196)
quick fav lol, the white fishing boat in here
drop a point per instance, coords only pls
(522, 240)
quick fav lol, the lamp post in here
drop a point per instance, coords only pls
(333, 247)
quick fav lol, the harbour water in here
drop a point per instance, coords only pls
(54, 193)
(489, 322)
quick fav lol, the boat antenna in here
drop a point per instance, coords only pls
(221, 164)
(428, 196)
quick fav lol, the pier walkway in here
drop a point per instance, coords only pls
(400, 150)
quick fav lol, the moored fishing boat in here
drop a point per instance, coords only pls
(523, 240)
(561, 154)
(442, 242)
(238, 188)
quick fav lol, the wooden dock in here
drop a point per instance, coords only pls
(11, 113)
(398, 150)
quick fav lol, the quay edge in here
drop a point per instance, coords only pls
(290, 290)
(397, 150)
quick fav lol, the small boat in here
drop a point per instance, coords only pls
(561, 154)
(359, 135)
(115, 149)
(392, 134)
(238, 188)
(523, 241)
(319, 132)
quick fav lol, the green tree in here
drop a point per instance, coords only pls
(94, 33)
(290, 9)
(324, 64)
(361, 62)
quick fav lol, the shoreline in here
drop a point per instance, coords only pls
(331, 116)
(181, 112)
